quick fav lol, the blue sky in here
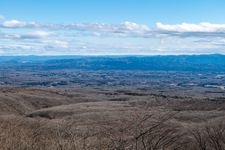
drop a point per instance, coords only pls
(111, 27)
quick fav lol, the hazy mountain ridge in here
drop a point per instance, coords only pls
(165, 63)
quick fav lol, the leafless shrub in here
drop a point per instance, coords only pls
(210, 136)
(159, 134)
(137, 131)
(199, 138)
(216, 135)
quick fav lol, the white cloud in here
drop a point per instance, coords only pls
(183, 30)
(62, 44)
(129, 37)
(19, 24)
(124, 29)
(14, 24)
(30, 35)
(37, 34)
(131, 26)
(187, 27)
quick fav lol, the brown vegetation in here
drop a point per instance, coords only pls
(84, 119)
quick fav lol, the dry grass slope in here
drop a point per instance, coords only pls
(84, 119)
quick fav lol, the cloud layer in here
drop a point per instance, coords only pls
(29, 37)
(187, 27)
(192, 30)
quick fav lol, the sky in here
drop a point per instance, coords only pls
(112, 27)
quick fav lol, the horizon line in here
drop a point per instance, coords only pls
(110, 55)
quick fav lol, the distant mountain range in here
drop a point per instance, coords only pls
(213, 62)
